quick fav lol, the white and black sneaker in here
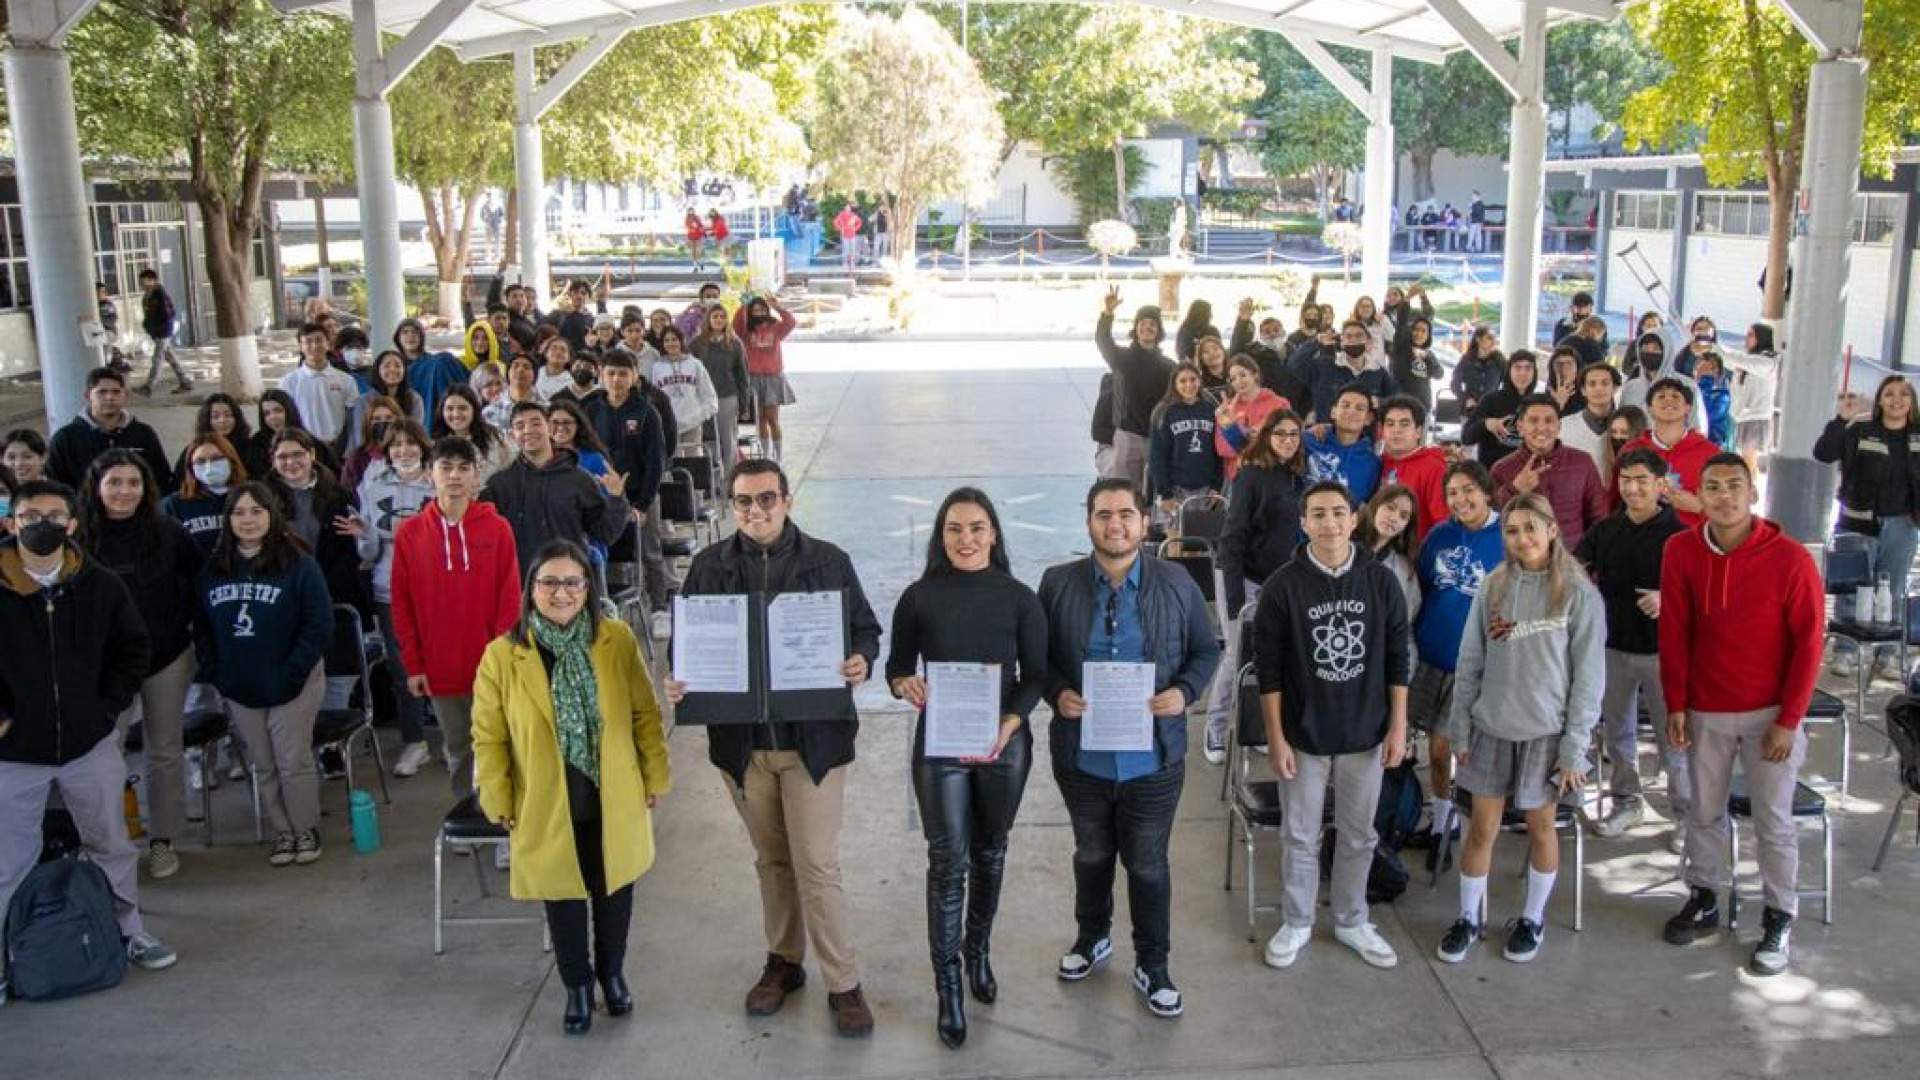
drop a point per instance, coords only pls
(1157, 990)
(282, 852)
(306, 847)
(1459, 939)
(1085, 955)
(1214, 747)
(1698, 920)
(1523, 940)
(1771, 954)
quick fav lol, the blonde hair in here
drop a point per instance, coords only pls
(1562, 570)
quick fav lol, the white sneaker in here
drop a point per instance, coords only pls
(1677, 839)
(662, 625)
(1214, 748)
(1283, 948)
(1365, 939)
(412, 757)
(1626, 813)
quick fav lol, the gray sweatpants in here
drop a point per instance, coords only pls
(1718, 740)
(726, 426)
(280, 749)
(1629, 675)
(1356, 780)
(456, 738)
(162, 705)
(653, 561)
(1129, 459)
(90, 785)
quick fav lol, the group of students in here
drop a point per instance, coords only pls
(1572, 557)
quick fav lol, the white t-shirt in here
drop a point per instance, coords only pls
(324, 398)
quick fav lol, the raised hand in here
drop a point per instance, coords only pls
(1112, 301)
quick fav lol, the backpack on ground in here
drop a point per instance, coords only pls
(1903, 730)
(1394, 819)
(61, 937)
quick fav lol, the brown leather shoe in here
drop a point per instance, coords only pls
(851, 1017)
(780, 978)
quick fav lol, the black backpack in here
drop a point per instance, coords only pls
(1903, 730)
(61, 937)
(1394, 819)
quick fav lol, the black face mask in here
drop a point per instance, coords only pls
(1354, 350)
(379, 431)
(583, 377)
(43, 538)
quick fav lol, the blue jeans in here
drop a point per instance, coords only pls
(1131, 822)
(1893, 556)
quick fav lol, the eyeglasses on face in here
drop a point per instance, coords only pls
(560, 584)
(766, 500)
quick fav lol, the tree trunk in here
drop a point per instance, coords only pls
(449, 232)
(905, 224)
(1120, 179)
(510, 244)
(1421, 158)
(1773, 298)
(229, 263)
(1322, 191)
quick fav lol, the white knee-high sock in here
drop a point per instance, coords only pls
(1473, 890)
(1539, 888)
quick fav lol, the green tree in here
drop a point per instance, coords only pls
(229, 89)
(1599, 65)
(453, 140)
(1089, 177)
(1453, 106)
(903, 112)
(1311, 129)
(1737, 92)
(1075, 78)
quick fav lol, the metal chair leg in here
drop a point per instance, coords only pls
(439, 853)
(346, 757)
(1253, 904)
(259, 820)
(1227, 884)
(1733, 872)
(1826, 867)
(380, 764)
(1579, 877)
(1893, 823)
(206, 809)
(1846, 753)
(480, 872)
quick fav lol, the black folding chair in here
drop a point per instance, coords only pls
(339, 729)
(1903, 729)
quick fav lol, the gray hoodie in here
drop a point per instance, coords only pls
(386, 500)
(1526, 672)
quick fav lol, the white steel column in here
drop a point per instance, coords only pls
(1799, 489)
(53, 200)
(374, 177)
(530, 176)
(1526, 165)
(1376, 228)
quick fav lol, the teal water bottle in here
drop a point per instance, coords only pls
(366, 822)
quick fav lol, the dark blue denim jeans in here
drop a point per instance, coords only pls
(1132, 821)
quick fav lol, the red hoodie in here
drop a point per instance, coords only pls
(456, 587)
(763, 344)
(1685, 459)
(1424, 472)
(1743, 630)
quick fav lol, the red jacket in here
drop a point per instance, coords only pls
(763, 344)
(1743, 630)
(1424, 472)
(456, 587)
(1685, 460)
(1568, 480)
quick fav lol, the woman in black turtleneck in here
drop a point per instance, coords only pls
(968, 608)
(121, 525)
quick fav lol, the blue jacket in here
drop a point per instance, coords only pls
(1454, 562)
(1355, 465)
(1717, 396)
(1180, 640)
(259, 636)
(1181, 454)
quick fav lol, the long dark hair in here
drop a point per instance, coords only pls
(279, 549)
(584, 437)
(522, 632)
(1367, 534)
(481, 434)
(937, 561)
(326, 486)
(203, 420)
(93, 510)
(1259, 452)
(285, 401)
(401, 393)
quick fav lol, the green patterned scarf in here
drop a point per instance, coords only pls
(576, 694)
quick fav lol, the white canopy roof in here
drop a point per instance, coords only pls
(1416, 29)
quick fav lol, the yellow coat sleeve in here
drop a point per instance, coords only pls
(492, 743)
(649, 733)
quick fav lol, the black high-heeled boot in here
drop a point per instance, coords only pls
(613, 991)
(578, 1019)
(952, 1019)
(983, 900)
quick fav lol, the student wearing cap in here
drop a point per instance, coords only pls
(1141, 373)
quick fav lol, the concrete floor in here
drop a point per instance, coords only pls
(328, 970)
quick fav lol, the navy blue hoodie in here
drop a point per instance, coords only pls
(1182, 455)
(259, 635)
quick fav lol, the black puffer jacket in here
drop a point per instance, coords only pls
(555, 501)
(1870, 485)
(158, 563)
(795, 562)
(1263, 527)
(75, 655)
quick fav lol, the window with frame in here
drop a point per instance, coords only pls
(1649, 210)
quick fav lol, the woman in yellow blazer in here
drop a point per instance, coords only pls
(569, 755)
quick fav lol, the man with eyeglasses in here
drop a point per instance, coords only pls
(1118, 605)
(788, 780)
(105, 424)
(76, 652)
(456, 587)
(545, 495)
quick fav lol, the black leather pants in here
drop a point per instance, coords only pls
(967, 811)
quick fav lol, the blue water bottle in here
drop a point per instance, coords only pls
(366, 822)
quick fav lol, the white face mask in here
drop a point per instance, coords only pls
(352, 357)
(214, 473)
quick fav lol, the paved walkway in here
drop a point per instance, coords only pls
(328, 971)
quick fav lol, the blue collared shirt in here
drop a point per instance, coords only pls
(1117, 636)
